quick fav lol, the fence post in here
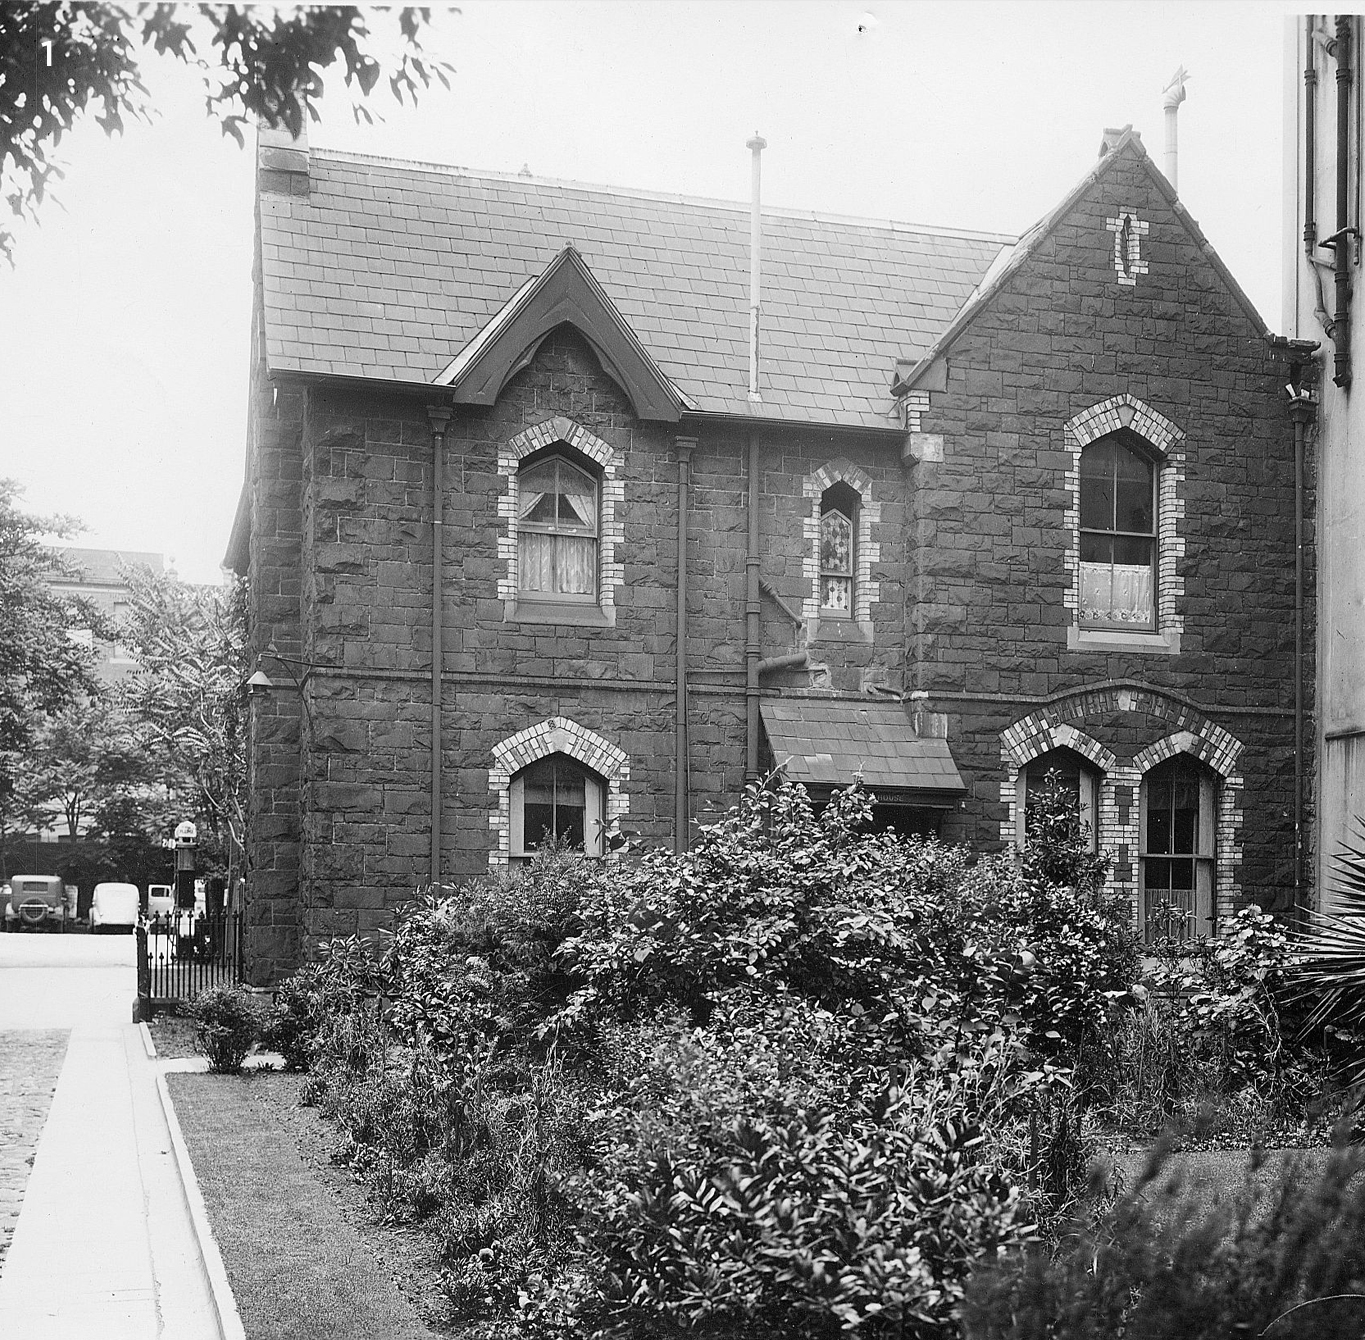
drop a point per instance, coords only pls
(142, 1011)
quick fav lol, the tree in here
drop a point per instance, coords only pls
(185, 698)
(85, 761)
(57, 60)
(46, 643)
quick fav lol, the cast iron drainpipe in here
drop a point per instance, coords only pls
(1340, 242)
(1301, 411)
(751, 620)
(682, 783)
(439, 418)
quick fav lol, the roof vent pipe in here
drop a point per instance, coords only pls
(1172, 96)
(756, 147)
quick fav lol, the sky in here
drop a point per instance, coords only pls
(124, 324)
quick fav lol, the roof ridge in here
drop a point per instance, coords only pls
(670, 197)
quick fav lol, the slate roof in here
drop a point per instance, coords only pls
(827, 743)
(386, 270)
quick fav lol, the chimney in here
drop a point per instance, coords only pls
(282, 160)
(1172, 96)
(756, 147)
(1112, 135)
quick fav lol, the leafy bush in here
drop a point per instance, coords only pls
(227, 1025)
(1283, 1259)
(306, 1000)
(796, 1076)
(1207, 1054)
(754, 1182)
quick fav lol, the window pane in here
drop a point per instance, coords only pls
(538, 825)
(836, 544)
(575, 565)
(1132, 551)
(536, 561)
(1133, 503)
(554, 802)
(1117, 594)
(1097, 500)
(838, 593)
(1097, 548)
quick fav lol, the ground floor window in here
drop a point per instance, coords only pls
(1079, 781)
(1177, 851)
(556, 800)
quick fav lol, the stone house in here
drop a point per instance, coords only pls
(978, 507)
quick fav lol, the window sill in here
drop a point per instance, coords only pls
(1114, 639)
(830, 629)
(560, 612)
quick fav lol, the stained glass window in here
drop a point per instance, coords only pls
(836, 561)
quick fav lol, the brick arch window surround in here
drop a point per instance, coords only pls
(558, 776)
(561, 510)
(839, 550)
(1124, 800)
(1123, 522)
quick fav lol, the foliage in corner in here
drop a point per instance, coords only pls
(60, 60)
(1327, 974)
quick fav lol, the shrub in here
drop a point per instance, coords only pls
(226, 1027)
(1176, 1259)
(739, 1197)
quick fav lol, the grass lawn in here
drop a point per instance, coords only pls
(305, 1259)
(172, 1036)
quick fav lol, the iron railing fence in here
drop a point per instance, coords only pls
(183, 954)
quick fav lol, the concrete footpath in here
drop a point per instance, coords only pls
(104, 1244)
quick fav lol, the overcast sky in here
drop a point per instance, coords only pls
(124, 325)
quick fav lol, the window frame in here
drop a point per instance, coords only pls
(1135, 446)
(843, 500)
(594, 809)
(560, 454)
(1091, 779)
(1205, 857)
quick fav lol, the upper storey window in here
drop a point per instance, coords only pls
(557, 530)
(1118, 536)
(838, 529)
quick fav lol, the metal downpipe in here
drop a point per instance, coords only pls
(439, 418)
(682, 780)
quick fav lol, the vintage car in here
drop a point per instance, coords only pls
(114, 907)
(160, 903)
(34, 902)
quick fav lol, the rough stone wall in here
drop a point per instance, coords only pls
(366, 601)
(994, 592)
(272, 913)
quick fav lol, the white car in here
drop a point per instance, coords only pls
(114, 907)
(160, 902)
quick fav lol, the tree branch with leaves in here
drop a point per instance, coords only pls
(60, 62)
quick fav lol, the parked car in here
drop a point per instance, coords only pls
(160, 902)
(37, 901)
(114, 907)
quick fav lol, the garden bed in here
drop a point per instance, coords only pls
(304, 1255)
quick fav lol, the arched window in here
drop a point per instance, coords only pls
(1177, 850)
(1078, 778)
(556, 799)
(838, 546)
(557, 530)
(1118, 536)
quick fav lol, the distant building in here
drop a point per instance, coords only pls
(97, 575)
(1322, 259)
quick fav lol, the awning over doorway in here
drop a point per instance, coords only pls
(825, 744)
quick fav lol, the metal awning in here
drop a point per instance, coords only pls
(826, 744)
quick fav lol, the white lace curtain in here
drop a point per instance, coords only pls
(1117, 593)
(557, 533)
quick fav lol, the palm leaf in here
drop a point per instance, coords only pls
(1328, 971)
